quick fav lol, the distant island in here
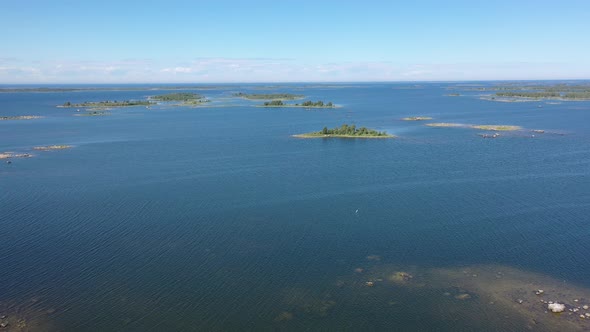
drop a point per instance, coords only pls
(516, 92)
(179, 96)
(20, 117)
(271, 96)
(307, 104)
(119, 88)
(482, 127)
(8, 155)
(496, 127)
(93, 113)
(445, 124)
(186, 98)
(52, 147)
(574, 95)
(346, 131)
(417, 118)
(108, 103)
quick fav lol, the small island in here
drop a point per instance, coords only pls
(185, 98)
(549, 95)
(107, 104)
(52, 147)
(446, 125)
(307, 104)
(271, 96)
(346, 131)
(481, 127)
(525, 92)
(8, 155)
(180, 96)
(417, 118)
(93, 113)
(20, 117)
(496, 127)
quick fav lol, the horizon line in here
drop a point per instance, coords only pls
(301, 82)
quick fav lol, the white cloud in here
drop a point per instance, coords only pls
(176, 70)
(272, 70)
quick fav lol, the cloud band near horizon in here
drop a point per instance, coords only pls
(235, 70)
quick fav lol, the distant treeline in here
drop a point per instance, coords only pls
(352, 130)
(525, 88)
(523, 94)
(316, 104)
(319, 103)
(108, 103)
(274, 103)
(546, 94)
(120, 88)
(180, 96)
(577, 95)
(272, 96)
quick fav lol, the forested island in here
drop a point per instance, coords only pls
(307, 104)
(180, 96)
(524, 92)
(186, 98)
(574, 95)
(108, 103)
(346, 131)
(515, 92)
(271, 96)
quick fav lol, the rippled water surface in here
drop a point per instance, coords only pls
(215, 218)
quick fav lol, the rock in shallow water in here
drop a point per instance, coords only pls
(463, 296)
(556, 307)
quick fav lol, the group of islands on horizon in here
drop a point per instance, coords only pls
(512, 92)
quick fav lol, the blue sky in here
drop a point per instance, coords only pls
(282, 41)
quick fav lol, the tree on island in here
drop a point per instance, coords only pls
(318, 103)
(352, 130)
(274, 103)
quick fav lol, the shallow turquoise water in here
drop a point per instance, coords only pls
(215, 218)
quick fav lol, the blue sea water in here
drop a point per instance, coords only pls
(216, 218)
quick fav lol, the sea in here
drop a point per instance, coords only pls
(215, 218)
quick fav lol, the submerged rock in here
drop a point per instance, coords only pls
(556, 307)
(284, 316)
(401, 277)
